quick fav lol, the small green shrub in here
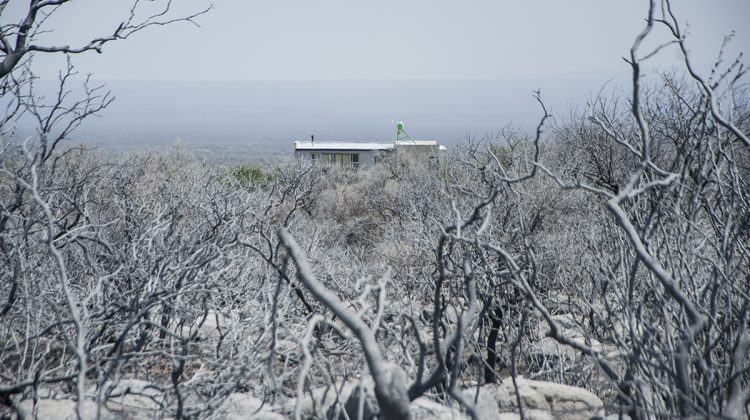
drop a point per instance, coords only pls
(251, 176)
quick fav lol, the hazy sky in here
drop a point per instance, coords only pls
(388, 39)
(264, 73)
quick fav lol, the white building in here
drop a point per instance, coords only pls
(364, 155)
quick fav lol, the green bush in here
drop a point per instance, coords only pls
(251, 176)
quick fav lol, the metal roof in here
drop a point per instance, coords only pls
(416, 142)
(344, 145)
(340, 145)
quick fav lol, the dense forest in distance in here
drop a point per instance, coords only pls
(595, 267)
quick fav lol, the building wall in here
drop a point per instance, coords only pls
(427, 155)
(366, 157)
(419, 150)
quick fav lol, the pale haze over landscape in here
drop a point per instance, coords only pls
(257, 75)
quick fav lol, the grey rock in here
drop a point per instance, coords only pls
(65, 409)
(241, 406)
(319, 402)
(484, 403)
(357, 399)
(561, 401)
(425, 409)
(528, 414)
